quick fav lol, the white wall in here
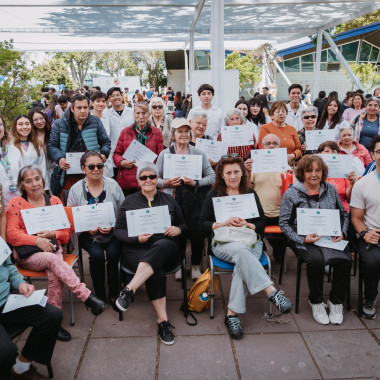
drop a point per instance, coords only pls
(176, 80)
(105, 83)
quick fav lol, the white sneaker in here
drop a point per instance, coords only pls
(178, 275)
(336, 313)
(319, 313)
(195, 272)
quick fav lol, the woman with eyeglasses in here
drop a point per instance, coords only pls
(331, 117)
(150, 255)
(100, 243)
(309, 118)
(158, 118)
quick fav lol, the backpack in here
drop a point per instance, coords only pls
(198, 297)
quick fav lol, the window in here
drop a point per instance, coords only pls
(374, 54)
(350, 50)
(332, 56)
(323, 67)
(292, 65)
(365, 51)
(324, 56)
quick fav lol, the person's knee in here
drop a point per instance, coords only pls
(53, 315)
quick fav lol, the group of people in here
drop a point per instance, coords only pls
(34, 173)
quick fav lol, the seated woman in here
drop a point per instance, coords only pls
(249, 275)
(150, 255)
(309, 117)
(312, 191)
(31, 185)
(93, 189)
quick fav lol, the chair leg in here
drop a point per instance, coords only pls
(360, 296)
(355, 261)
(270, 276)
(184, 281)
(283, 264)
(212, 289)
(50, 370)
(298, 285)
(120, 287)
(80, 263)
(72, 309)
(349, 294)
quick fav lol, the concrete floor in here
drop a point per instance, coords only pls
(289, 346)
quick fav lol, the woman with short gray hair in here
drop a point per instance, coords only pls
(309, 116)
(158, 118)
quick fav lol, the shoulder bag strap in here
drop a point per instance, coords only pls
(84, 189)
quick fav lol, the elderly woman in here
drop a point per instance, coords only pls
(312, 191)
(150, 254)
(100, 243)
(31, 185)
(367, 124)
(198, 122)
(186, 189)
(142, 131)
(249, 275)
(357, 107)
(287, 134)
(309, 117)
(158, 118)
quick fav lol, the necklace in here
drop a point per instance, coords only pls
(279, 131)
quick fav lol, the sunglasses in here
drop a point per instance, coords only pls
(307, 117)
(145, 177)
(160, 107)
(92, 166)
(229, 155)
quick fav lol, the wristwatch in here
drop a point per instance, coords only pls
(362, 233)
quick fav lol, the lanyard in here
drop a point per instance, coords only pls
(6, 164)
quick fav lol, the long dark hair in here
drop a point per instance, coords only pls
(47, 128)
(241, 101)
(336, 119)
(260, 118)
(220, 186)
(32, 137)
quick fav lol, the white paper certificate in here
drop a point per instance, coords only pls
(339, 164)
(324, 222)
(16, 301)
(139, 153)
(183, 165)
(89, 217)
(317, 137)
(237, 135)
(211, 148)
(151, 220)
(48, 218)
(242, 206)
(269, 160)
(326, 241)
(74, 160)
(4, 251)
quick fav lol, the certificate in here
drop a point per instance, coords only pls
(317, 137)
(339, 164)
(48, 218)
(183, 165)
(211, 148)
(237, 135)
(269, 160)
(89, 217)
(5, 251)
(326, 241)
(151, 220)
(324, 222)
(16, 301)
(242, 206)
(74, 160)
(139, 153)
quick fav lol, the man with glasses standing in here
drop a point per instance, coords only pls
(365, 216)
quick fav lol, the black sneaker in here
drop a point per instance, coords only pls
(165, 332)
(280, 301)
(369, 308)
(234, 326)
(125, 298)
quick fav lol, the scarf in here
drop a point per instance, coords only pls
(142, 133)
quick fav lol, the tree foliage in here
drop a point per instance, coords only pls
(366, 73)
(248, 66)
(113, 62)
(367, 19)
(16, 92)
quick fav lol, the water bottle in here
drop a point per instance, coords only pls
(204, 297)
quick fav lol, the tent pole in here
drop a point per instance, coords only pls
(317, 70)
(191, 55)
(186, 73)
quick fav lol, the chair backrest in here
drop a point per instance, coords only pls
(287, 180)
(69, 213)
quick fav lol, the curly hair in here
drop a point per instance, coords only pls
(220, 186)
(306, 162)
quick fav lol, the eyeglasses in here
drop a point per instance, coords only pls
(92, 166)
(274, 143)
(229, 155)
(159, 107)
(307, 117)
(145, 177)
(377, 152)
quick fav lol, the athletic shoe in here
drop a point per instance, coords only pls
(234, 326)
(280, 301)
(125, 298)
(30, 374)
(319, 313)
(165, 332)
(369, 308)
(336, 313)
(195, 272)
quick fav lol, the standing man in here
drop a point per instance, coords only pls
(215, 117)
(63, 104)
(119, 115)
(150, 93)
(125, 97)
(270, 98)
(295, 107)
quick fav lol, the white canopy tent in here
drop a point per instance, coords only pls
(100, 25)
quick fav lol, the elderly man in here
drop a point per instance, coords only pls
(295, 107)
(365, 216)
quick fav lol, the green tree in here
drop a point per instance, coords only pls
(367, 74)
(113, 62)
(16, 92)
(367, 19)
(53, 71)
(153, 63)
(248, 66)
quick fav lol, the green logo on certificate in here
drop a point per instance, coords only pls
(147, 211)
(234, 199)
(212, 142)
(319, 133)
(268, 152)
(236, 128)
(183, 158)
(43, 209)
(334, 158)
(93, 207)
(318, 212)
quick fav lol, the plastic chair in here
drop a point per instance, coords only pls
(227, 267)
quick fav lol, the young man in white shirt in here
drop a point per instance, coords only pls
(365, 216)
(215, 118)
(295, 107)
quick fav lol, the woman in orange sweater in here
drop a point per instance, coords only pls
(287, 134)
(49, 257)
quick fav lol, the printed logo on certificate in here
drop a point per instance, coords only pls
(237, 135)
(269, 160)
(183, 165)
(323, 222)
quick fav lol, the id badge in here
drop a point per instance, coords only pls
(12, 188)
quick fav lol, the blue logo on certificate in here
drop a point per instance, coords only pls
(183, 158)
(147, 211)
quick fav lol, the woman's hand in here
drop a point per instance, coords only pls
(127, 164)
(172, 182)
(93, 232)
(105, 231)
(352, 178)
(248, 165)
(291, 158)
(335, 239)
(173, 231)
(47, 234)
(26, 289)
(311, 238)
(44, 244)
(188, 181)
(303, 147)
(143, 238)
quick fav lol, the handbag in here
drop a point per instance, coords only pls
(244, 235)
(334, 256)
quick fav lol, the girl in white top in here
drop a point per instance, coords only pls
(10, 164)
(25, 140)
(256, 114)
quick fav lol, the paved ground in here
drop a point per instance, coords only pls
(285, 347)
